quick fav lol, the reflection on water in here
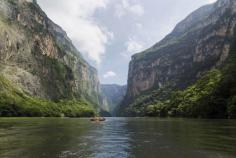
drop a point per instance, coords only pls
(106, 139)
(117, 137)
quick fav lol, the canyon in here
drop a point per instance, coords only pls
(200, 43)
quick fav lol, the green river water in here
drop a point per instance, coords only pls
(117, 138)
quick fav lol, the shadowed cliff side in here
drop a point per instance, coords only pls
(198, 44)
(39, 59)
(113, 94)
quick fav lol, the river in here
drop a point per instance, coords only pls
(117, 138)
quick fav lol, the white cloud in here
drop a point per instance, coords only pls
(132, 46)
(211, 1)
(76, 17)
(139, 26)
(127, 8)
(137, 10)
(109, 74)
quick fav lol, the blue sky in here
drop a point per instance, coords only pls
(108, 32)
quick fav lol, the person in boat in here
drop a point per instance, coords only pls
(97, 119)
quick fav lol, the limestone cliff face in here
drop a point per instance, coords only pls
(196, 45)
(39, 58)
(113, 94)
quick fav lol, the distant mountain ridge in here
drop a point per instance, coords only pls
(114, 94)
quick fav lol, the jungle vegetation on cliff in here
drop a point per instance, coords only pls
(191, 72)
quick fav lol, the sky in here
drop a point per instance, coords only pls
(109, 32)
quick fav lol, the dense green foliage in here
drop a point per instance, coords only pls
(42, 61)
(197, 101)
(14, 102)
(212, 96)
(151, 98)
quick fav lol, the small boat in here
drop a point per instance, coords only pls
(97, 119)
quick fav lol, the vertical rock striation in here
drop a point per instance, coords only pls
(39, 58)
(113, 94)
(198, 44)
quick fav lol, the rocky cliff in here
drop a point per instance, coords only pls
(114, 94)
(198, 44)
(37, 56)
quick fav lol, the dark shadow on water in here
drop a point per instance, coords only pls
(180, 138)
(40, 137)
